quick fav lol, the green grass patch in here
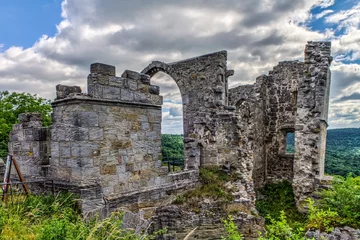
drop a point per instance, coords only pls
(58, 218)
(212, 187)
(277, 197)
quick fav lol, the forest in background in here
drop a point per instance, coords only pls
(342, 150)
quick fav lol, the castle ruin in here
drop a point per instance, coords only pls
(106, 144)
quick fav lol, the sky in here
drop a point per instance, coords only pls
(48, 42)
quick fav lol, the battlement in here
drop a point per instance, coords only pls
(132, 87)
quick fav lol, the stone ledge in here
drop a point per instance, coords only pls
(100, 101)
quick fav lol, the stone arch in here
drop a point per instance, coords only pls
(157, 66)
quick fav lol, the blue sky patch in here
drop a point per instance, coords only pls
(23, 22)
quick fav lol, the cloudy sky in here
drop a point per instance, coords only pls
(47, 42)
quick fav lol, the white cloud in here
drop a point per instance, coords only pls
(130, 34)
(348, 19)
(323, 13)
(325, 3)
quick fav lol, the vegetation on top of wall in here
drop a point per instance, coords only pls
(11, 105)
(212, 186)
(58, 218)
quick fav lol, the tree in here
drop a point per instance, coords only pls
(11, 105)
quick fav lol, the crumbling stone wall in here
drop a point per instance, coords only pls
(293, 97)
(203, 83)
(311, 122)
(213, 133)
(29, 144)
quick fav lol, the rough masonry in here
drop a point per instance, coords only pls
(106, 144)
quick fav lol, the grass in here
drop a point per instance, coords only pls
(277, 197)
(212, 187)
(50, 218)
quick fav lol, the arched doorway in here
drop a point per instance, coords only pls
(172, 129)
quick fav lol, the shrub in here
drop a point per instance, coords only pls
(321, 219)
(344, 198)
(280, 229)
(277, 197)
(231, 229)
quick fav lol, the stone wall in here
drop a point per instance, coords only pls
(107, 143)
(293, 97)
(311, 122)
(213, 133)
(203, 83)
(29, 144)
(281, 94)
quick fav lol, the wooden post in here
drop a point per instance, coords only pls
(9, 161)
(20, 176)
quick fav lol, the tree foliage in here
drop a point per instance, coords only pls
(11, 105)
(172, 145)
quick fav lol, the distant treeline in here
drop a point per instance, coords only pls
(342, 150)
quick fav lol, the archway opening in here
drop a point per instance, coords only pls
(172, 129)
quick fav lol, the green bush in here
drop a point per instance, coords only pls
(321, 219)
(277, 197)
(280, 229)
(231, 230)
(344, 198)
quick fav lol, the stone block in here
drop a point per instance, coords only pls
(131, 84)
(130, 167)
(95, 91)
(102, 69)
(126, 95)
(84, 149)
(131, 75)
(144, 126)
(61, 173)
(108, 169)
(143, 88)
(141, 97)
(111, 92)
(30, 117)
(119, 188)
(64, 149)
(81, 134)
(145, 79)
(63, 91)
(156, 99)
(86, 119)
(96, 134)
(154, 89)
(116, 82)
